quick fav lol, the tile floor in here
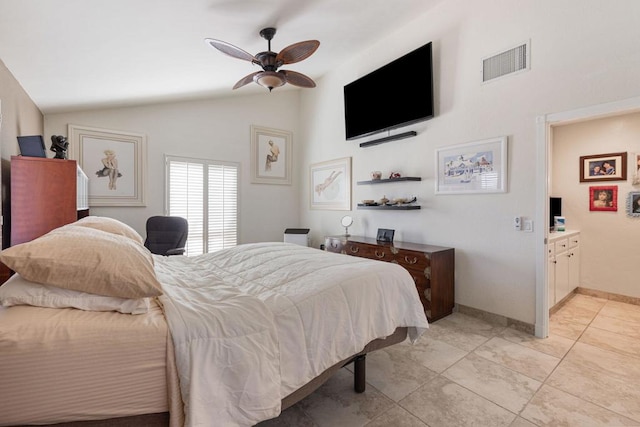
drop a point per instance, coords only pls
(466, 372)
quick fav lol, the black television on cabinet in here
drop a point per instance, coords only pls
(555, 209)
(395, 95)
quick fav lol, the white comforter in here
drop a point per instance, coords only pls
(254, 323)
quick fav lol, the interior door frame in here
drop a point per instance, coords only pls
(544, 144)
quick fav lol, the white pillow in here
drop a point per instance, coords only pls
(19, 291)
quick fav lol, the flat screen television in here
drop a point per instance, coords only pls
(395, 95)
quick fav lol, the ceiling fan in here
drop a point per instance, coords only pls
(270, 61)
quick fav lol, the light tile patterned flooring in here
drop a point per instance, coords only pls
(467, 372)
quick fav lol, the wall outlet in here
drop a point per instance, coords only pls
(517, 223)
(527, 226)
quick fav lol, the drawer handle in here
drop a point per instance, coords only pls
(408, 261)
(379, 255)
(354, 249)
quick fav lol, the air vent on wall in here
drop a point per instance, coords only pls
(505, 63)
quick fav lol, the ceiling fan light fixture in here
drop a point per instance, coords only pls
(270, 61)
(269, 79)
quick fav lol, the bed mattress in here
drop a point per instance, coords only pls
(84, 365)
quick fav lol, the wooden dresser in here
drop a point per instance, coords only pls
(432, 267)
(43, 196)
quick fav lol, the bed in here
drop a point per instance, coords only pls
(103, 330)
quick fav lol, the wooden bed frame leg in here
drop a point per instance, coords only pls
(359, 373)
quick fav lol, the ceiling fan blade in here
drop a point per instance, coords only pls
(246, 80)
(230, 50)
(297, 52)
(297, 79)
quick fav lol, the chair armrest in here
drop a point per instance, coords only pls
(176, 251)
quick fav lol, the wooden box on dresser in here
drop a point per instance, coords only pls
(432, 267)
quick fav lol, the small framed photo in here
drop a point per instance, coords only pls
(603, 167)
(385, 235)
(633, 203)
(270, 156)
(330, 185)
(603, 198)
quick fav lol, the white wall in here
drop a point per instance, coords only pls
(608, 255)
(584, 52)
(212, 129)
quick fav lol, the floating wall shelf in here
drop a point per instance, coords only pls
(389, 207)
(382, 181)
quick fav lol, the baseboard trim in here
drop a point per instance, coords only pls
(496, 319)
(608, 295)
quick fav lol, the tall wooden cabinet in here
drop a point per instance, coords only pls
(43, 196)
(432, 267)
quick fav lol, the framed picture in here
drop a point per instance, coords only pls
(635, 168)
(270, 156)
(603, 167)
(475, 167)
(330, 185)
(114, 161)
(603, 198)
(633, 203)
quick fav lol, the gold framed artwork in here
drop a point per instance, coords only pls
(115, 163)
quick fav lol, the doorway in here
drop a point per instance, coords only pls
(544, 143)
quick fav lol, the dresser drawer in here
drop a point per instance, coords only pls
(364, 250)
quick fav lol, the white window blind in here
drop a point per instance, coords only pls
(205, 192)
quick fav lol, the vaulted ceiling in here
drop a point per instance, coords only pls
(74, 54)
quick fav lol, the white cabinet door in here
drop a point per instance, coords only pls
(574, 267)
(563, 288)
(551, 279)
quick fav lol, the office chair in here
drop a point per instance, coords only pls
(166, 235)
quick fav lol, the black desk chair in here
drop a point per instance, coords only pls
(166, 235)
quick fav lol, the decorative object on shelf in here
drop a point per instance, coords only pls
(376, 175)
(385, 235)
(270, 156)
(346, 223)
(383, 201)
(394, 175)
(603, 167)
(270, 77)
(330, 184)
(475, 167)
(119, 156)
(633, 203)
(404, 200)
(369, 202)
(603, 198)
(59, 145)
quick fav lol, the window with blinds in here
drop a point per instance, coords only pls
(205, 192)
